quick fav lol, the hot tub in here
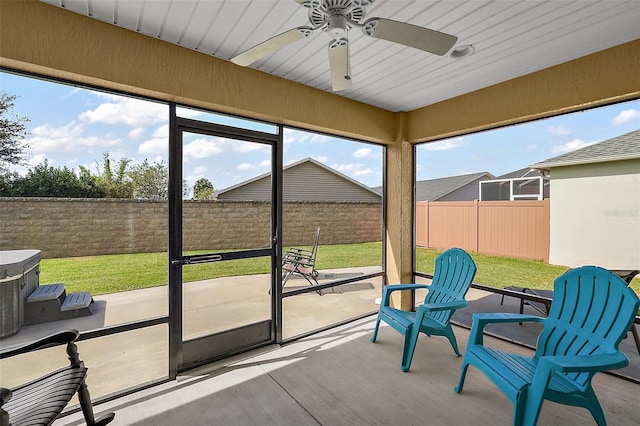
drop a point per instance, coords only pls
(19, 276)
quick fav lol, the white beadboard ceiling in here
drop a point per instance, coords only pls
(512, 38)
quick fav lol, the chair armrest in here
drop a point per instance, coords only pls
(548, 365)
(480, 321)
(297, 256)
(585, 363)
(456, 304)
(55, 339)
(298, 252)
(387, 290)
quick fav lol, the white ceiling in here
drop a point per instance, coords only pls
(511, 37)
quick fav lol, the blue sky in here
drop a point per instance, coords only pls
(514, 147)
(71, 126)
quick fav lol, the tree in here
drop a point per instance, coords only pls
(7, 180)
(203, 189)
(13, 131)
(150, 181)
(118, 183)
(48, 181)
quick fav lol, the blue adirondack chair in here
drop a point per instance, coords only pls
(591, 312)
(454, 272)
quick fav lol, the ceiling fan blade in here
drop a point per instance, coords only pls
(267, 47)
(410, 35)
(340, 64)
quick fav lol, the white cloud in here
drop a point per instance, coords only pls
(625, 116)
(202, 148)
(197, 173)
(136, 133)
(559, 130)
(162, 132)
(38, 159)
(320, 158)
(297, 136)
(71, 129)
(532, 146)
(244, 166)
(129, 111)
(444, 145)
(200, 170)
(265, 163)
(570, 146)
(353, 169)
(241, 146)
(364, 172)
(208, 146)
(153, 146)
(362, 152)
(68, 138)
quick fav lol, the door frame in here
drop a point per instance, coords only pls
(177, 353)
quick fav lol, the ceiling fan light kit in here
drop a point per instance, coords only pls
(463, 51)
(336, 18)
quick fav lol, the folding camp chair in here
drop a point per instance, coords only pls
(301, 262)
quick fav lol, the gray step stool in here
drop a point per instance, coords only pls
(52, 303)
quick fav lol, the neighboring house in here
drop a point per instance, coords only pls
(595, 208)
(305, 180)
(522, 184)
(452, 188)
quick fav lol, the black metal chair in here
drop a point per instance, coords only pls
(544, 307)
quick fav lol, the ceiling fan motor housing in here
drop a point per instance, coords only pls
(336, 16)
(337, 26)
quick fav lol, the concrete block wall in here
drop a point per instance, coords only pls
(88, 227)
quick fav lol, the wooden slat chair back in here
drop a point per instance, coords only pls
(591, 312)
(454, 272)
(41, 401)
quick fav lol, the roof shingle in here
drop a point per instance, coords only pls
(623, 147)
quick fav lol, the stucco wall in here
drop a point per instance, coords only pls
(595, 215)
(81, 227)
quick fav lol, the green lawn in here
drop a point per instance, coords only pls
(115, 273)
(495, 271)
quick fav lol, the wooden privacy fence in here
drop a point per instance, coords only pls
(502, 228)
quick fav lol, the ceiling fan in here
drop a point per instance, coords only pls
(336, 18)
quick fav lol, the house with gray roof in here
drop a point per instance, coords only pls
(305, 180)
(450, 188)
(595, 207)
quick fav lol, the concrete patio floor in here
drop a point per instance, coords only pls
(338, 377)
(334, 377)
(210, 306)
